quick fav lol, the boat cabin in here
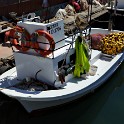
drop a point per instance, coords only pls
(45, 68)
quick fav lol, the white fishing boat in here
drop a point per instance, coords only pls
(44, 79)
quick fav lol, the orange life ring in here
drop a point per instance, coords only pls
(11, 33)
(49, 37)
(24, 46)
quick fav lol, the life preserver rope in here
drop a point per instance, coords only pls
(50, 39)
(25, 39)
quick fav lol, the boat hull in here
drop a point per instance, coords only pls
(33, 104)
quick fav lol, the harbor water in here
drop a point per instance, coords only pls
(103, 106)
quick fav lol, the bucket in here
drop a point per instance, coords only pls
(92, 70)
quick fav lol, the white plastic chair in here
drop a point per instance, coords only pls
(31, 15)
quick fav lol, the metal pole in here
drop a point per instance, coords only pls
(115, 6)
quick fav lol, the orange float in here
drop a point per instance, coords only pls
(25, 40)
(50, 39)
(11, 33)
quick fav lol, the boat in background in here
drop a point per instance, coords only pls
(49, 71)
(116, 5)
(120, 4)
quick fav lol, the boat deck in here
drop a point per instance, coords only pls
(5, 51)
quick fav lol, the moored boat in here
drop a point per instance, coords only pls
(50, 75)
